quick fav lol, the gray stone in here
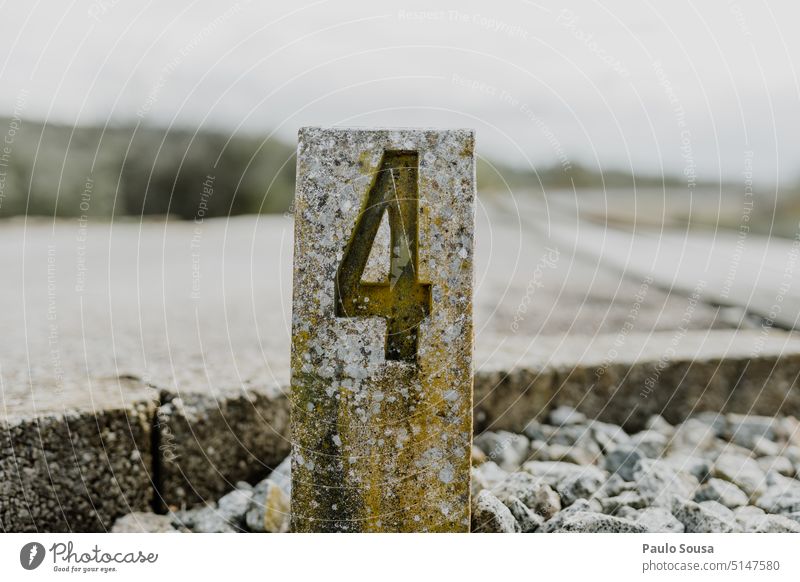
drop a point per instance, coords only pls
(580, 506)
(541, 451)
(775, 480)
(204, 520)
(722, 447)
(269, 508)
(379, 304)
(535, 431)
(489, 474)
(742, 471)
(564, 415)
(780, 500)
(793, 515)
(569, 435)
(591, 522)
(745, 430)
(718, 509)
(612, 505)
(144, 522)
(490, 515)
(781, 465)
(528, 520)
(693, 436)
(659, 424)
(533, 492)
(722, 491)
(622, 460)
(746, 513)
(507, 449)
(705, 517)
(651, 443)
(233, 506)
(554, 472)
(713, 419)
(792, 454)
(698, 467)
(582, 485)
(754, 520)
(627, 512)
(608, 435)
(659, 483)
(659, 520)
(282, 476)
(517, 484)
(547, 502)
(615, 485)
(776, 524)
(577, 438)
(764, 447)
(787, 429)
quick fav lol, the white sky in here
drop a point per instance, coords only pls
(599, 84)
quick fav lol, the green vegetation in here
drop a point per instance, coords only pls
(499, 178)
(63, 171)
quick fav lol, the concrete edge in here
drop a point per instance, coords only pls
(182, 449)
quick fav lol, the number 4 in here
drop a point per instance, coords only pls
(401, 299)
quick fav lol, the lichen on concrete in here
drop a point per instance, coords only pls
(382, 395)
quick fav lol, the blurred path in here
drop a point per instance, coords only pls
(729, 268)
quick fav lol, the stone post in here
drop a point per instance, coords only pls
(382, 333)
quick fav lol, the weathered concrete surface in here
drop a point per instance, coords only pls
(237, 437)
(209, 442)
(67, 468)
(672, 374)
(515, 378)
(381, 388)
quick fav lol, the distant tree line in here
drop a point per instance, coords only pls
(57, 170)
(63, 171)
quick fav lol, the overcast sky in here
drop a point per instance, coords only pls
(651, 86)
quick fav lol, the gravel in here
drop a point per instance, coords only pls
(533, 492)
(564, 415)
(724, 492)
(528, 520)
(660, 482)
(711, 473)
(742, 470)
(659, 520)
(269, 508)
(490, 515)
(506, 449)
(623, 460)
(704, 517)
